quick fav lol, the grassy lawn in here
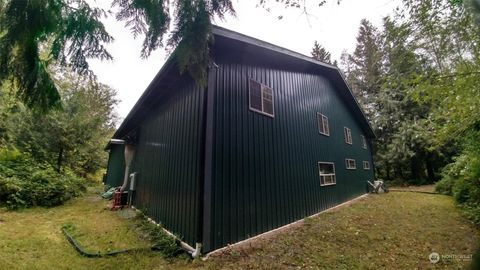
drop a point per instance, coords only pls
(397, 230)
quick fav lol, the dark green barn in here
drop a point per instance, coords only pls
(275, 137)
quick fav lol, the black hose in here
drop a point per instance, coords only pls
(99, 254)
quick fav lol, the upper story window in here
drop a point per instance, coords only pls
(366, 165)
(326, 170)
(348, 135)
(323, 127)
(260, 98)
(350, 164)
(364, 142)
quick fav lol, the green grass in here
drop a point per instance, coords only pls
(397, 230)
(32, 238)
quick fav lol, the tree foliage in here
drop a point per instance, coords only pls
(68, 31)
(417, 78)
(319, 53)
(35, 34)
(72, 136)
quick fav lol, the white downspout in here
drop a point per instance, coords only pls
(198, 250)
(129, 152)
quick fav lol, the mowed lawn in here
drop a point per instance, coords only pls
(397, 230)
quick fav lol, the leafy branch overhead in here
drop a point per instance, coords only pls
(34, 34)
(191, 32)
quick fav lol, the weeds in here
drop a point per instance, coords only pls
(164, 243)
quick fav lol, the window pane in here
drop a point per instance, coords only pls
(325, 125)
(255, 95)
(366, 165)
(326, 168)
(327, 173)
(267, 100)
(348, 135)
(320, 123)
(350, 163)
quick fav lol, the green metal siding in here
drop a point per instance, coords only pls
(265, 169)
(168, 160)
(116, 165)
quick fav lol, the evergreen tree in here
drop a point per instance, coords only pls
(72, 136)
(319, 53)
(35, 34)
(365, 73)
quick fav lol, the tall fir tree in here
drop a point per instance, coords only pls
(319, 53)
(365, 73)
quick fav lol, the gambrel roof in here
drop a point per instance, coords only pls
(227, 41)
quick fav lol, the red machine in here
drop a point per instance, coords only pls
(119, 199)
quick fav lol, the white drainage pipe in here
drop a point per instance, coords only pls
(198, 250)
(129, 152)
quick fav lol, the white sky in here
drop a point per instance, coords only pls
(334, 26)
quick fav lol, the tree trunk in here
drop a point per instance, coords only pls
(430, 170)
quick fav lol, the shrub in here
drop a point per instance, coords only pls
(49, 188)
(10, 192)
(445, 186)
(462, 180)
(23, 183)
(472, 212)
(13, 163)
(461, 190)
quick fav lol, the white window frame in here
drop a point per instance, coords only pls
(364, 142)
(367, 167)
(347, 164)
(324, 119)
(347, 134)
(332, 175)
(262, 86)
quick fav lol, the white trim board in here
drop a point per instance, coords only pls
(183, 245)
(245, 241)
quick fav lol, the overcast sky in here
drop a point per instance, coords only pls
(333, 26)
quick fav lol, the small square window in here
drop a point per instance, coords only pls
(261, 98)
(348, 135)
(323, 127)
(326, 171)
(350, 164)
(366, 165)
(364, 142)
